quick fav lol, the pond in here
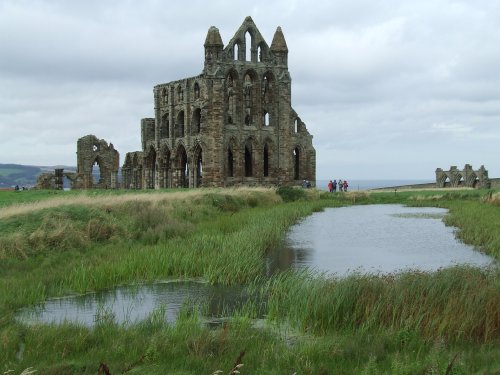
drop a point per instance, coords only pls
(374, 239)
(130, 304)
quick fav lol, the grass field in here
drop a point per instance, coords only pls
(59, 243)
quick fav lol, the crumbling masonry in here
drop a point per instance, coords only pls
(231, 125)
(463, 178)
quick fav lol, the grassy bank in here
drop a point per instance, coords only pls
(53, 245)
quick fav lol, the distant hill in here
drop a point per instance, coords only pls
(23, 175)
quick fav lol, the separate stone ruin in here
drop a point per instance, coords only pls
(91, 152)
(231, 125)
(55, 180)
(463, 178)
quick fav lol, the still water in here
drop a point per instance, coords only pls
(338, 241)
(132, 303)
(374, 239)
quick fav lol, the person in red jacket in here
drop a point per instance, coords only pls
(330, 186)
(345, 185)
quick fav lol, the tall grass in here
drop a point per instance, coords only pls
(459, 303)
(401, 324)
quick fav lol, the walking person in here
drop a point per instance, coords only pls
(341, 185)
(345, 185)
(334, 186)
(330, 186)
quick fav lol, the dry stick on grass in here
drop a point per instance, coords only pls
(450, 365)
(237, 364)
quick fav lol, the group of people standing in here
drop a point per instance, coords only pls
(332, 185)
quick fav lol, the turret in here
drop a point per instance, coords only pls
(279, 47)
(213, 46)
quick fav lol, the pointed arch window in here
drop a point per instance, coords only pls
(236, 49)
(248, 45)
(265, 118)
(180, 94)
(164, 94)
(196, 90)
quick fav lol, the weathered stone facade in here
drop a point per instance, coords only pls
(463, 178)
(90, 151)
(231, 125)
(93, 151)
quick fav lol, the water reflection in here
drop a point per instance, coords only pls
(374, 239)
(130, 304)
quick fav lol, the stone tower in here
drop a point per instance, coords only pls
(231, 125)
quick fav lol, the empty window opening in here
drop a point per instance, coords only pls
(259, 54)
(196, 91)
(296, 126)
(236, 51)
(266, 118)
(248, 45)
(165, 96)
(183, 168)
(96, 173)
(199, 169)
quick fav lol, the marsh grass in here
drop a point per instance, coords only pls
(459, 303)
(401, 324)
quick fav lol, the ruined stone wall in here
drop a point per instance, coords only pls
(231, 125)
(93, 151)
(466, 177)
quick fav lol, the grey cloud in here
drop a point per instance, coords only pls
(388, 89)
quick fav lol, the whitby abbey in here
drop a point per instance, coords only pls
(231, 125)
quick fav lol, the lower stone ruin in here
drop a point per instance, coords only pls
(463, 178)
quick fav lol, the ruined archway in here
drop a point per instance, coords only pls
(182, 168)
(164, 168)
(92, 152)
(198, 166)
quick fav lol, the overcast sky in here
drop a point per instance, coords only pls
(389, 89)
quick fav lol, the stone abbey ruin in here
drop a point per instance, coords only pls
(463, 178)
(90, 151)
(231, 125)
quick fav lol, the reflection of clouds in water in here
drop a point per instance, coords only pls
(375, 238)
(130, 304)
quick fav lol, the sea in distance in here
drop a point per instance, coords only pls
(355, 185)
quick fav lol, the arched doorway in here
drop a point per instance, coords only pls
(96, 174)
(198, 171)
(182, 168)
